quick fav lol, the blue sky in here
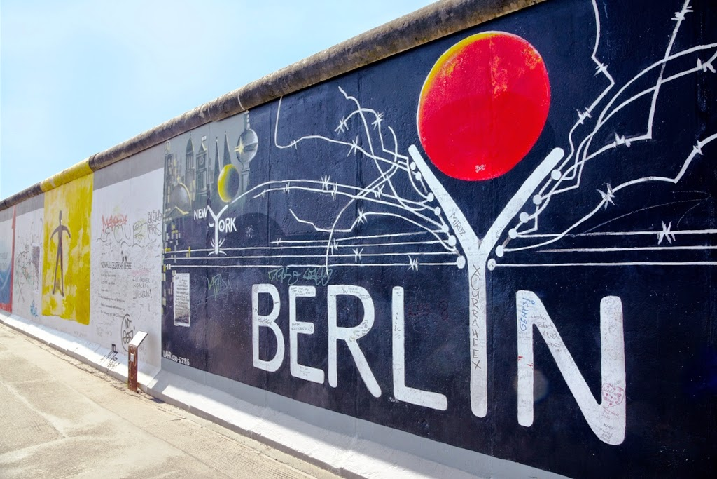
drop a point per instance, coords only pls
(80, 76)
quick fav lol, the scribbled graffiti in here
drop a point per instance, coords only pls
(113, 222)
(126, 255)
(144, 233)
(126, 331)
(28, 264)
(217, 285)
(169, 355)
(319, 276)
(28, 268)
(110, 360)
(7, 252)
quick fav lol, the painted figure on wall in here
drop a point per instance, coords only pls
(59, 258)
(66, 249)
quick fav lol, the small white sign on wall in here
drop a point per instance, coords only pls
(181, 299)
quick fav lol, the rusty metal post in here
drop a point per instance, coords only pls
(132, 368)
(132, 359)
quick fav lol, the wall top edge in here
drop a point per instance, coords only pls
(427, 24)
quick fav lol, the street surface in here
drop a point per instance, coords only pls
(60, 418)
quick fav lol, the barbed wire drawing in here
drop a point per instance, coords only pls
(527, 233)
(418, 222)
(398, 192)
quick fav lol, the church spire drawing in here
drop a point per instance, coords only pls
(214, 198)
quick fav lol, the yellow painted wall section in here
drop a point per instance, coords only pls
(66, 250)
(65, 176)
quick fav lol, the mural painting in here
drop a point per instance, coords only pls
(485, 253)
(7, 249)
(126, 263)
(66, 251)
(502, 240)
(27, 279)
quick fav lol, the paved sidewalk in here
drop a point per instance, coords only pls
(60, 418)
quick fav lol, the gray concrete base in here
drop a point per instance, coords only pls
(85, 351)
(348, 446)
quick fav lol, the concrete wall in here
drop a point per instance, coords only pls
(102, 282)
(493, 249)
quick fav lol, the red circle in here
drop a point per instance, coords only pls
(483, 106)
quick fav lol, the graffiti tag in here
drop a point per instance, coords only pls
(113, 221)
(290, 276)
(168, 355)
(217, 285)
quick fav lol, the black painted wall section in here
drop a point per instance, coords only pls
(320, 190)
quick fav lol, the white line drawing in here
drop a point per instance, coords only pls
(406, 191)
(419, 210)
(391, 165)
(355, 206)
(477, 253)
(568, 174)
(216, 244)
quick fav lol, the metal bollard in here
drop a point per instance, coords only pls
(133, 359)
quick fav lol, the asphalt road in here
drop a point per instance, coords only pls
(60, 418)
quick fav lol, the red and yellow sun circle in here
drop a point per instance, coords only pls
(483, 106)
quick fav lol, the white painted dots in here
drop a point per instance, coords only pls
(461, 262)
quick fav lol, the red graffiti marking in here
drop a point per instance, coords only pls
(113, 221)
(483, 105)
(612, 395)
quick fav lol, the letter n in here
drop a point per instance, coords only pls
(606, 419)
